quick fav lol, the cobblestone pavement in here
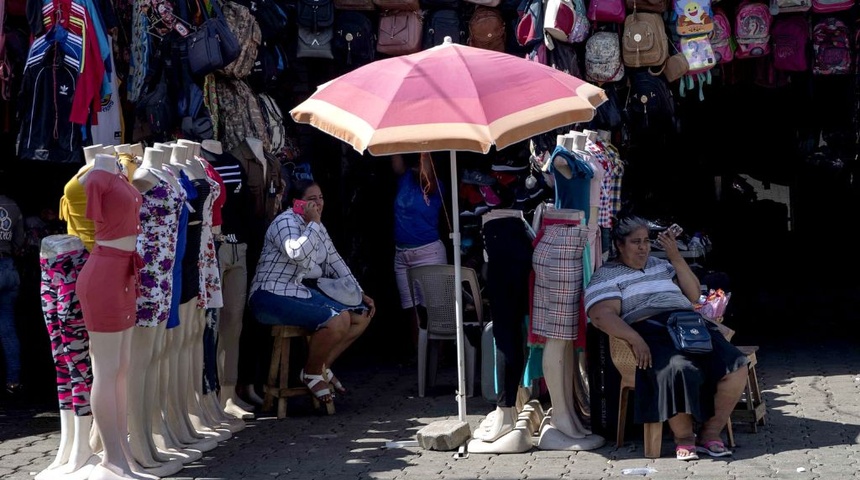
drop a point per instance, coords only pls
(812, 393)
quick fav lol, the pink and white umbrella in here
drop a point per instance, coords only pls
(450, 97)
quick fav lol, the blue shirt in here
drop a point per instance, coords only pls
(415, 222)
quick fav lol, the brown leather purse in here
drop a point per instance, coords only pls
(400, 33)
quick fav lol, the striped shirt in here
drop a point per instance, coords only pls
(643, 293)
(294, 250)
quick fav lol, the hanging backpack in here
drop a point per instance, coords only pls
(354, 42)
(606, 11)
(487, 29)
(656, 6)
(315, 14)
(831, 6)
(644, 42)
(693, 17)
(529, 29)
(400, 32)
(603, 58)
(581, 25)
(752, 30)
(721, 38)
(274, 121)
(700, 60)
(558, 21)
(831, 47)
(790, 36)
(650, 104)
(443, 23)
(793, 6)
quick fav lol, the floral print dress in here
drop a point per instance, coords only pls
(156, 244)
(210, 276)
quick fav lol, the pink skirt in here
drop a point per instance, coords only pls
(107, 288)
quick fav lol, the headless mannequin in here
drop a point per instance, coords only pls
(110, 358)
(504, 430)
(564, 430)
(208, 405)
(179, 340)
(200, 419)
(145, 345)
(166, 440)
(137, 149)
(230, 330)
(75, 459)
(256, 146)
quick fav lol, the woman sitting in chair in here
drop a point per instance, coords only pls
(297, 253)
(670, 385)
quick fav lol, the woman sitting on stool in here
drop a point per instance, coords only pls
(297, 251)
(670, 385)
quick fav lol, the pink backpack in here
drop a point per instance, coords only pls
(790, 37)
(721, 38)
(831, 45)
(752, 30)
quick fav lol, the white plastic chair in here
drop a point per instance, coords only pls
(436, 286)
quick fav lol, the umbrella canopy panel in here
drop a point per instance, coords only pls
(450, 97)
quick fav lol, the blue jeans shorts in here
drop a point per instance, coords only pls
(309, 313)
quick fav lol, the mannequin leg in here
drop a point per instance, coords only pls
(558, 373)
(179, 426)
(110, 359)
(234, 285)
(165, 440)
(140, 429)
(197, 414)
(564, 431)
(67, 428)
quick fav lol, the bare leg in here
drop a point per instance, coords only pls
(357, 325)
(729, 391)
(682, 428)
(322, 342)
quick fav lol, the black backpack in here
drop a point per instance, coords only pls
(650, 104)
(271, 17)
(442, 23)
(354, 42)
(269, 67)
(315, 14)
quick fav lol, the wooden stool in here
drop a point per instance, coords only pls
(751, 411)
(279, 370)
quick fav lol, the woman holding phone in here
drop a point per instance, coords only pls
(297, 252)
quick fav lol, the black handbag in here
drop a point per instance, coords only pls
(689, 332)
(213, 45)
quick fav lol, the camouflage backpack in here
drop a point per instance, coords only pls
(240, 115)
(243, 24)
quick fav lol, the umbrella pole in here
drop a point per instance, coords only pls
(458, 293)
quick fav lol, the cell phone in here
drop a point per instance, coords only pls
(676, 230)
(299, 206)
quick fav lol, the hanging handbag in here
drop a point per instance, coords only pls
(213, 45)
(689, 332)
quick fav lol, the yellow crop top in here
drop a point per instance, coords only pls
(128, 164)
(73, 209)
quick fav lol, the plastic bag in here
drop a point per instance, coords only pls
(714, 305)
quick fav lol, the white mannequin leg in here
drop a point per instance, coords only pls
(110, 353)
(67, 428)
(140, 429)
(199, 420)
(179, 361)
(179, 426)
(81, 453)
(564, 431)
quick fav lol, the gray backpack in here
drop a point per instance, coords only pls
(603, 58)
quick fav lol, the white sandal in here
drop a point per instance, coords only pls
(334, 381)
(311, 381)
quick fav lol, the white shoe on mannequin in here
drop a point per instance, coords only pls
(230, 403)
